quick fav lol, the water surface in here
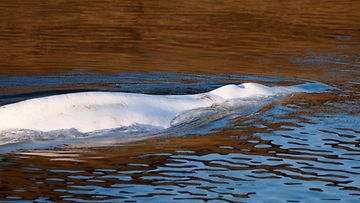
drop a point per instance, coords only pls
(301, 149)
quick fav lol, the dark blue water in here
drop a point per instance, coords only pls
(301, 149)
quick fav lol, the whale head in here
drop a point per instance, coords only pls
(244, 90)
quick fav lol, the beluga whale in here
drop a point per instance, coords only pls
(93, 111)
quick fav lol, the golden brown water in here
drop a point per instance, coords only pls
(303, 149)
(247, 37)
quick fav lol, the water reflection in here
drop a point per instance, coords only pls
(302, 155)
(304, 149)
(247, 37)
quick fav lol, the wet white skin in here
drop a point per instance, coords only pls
(90, 111)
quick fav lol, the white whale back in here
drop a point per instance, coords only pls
(91, 111)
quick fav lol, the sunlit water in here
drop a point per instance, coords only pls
(304, 148)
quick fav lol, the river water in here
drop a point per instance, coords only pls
(305, 148)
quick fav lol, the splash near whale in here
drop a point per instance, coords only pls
(84, 113)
